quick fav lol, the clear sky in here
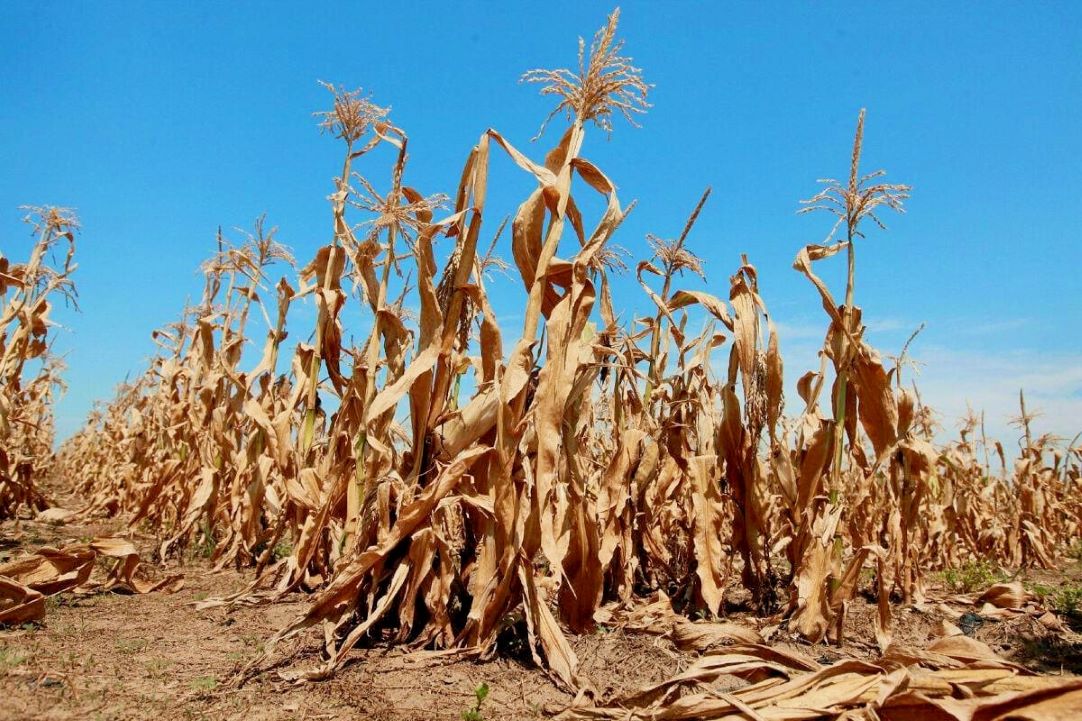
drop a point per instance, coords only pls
(161, 121)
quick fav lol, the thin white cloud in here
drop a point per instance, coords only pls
(994, 327)
(817, 328)
(951, 380)
(990, 381)
(889, 325)
(799, 330)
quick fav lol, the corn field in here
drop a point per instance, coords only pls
(445, 484)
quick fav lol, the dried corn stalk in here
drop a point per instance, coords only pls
(29, 373)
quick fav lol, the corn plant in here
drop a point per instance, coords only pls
(30, 374)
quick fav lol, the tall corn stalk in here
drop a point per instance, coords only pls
(29, 372)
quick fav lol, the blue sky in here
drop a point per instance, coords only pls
(159, 122)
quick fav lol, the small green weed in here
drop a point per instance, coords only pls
(10, 658)
(1075, 551)
(474, 714)
(129, 646)
(204, 683)
(1068, 600)
(251, 639)
(204, 547)
(158, 666)
(239, 656)
(972, 576)
(282, 549)
(1065, 600)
